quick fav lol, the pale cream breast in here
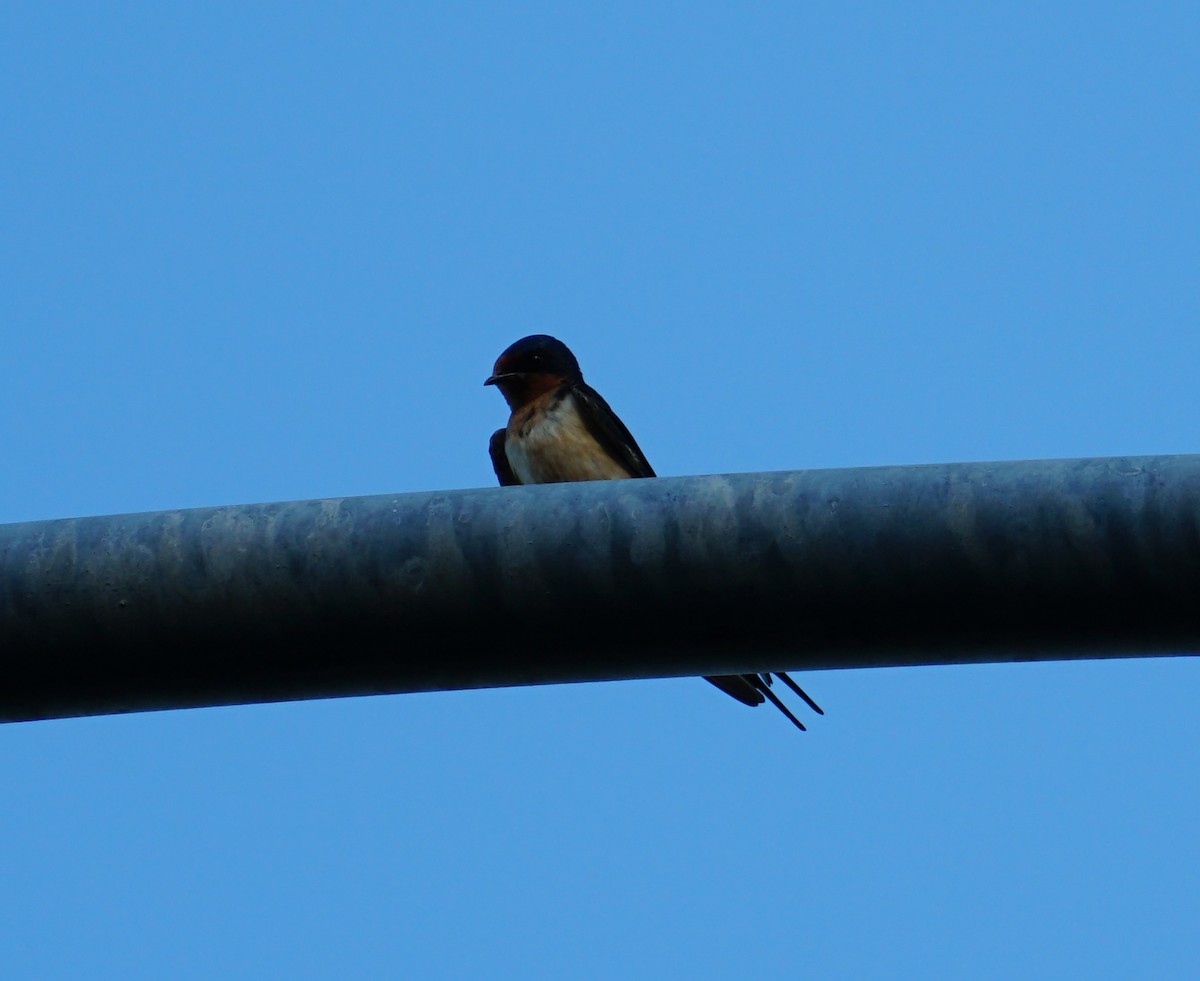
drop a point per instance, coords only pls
(547, 442)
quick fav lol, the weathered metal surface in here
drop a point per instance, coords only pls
(592, 581)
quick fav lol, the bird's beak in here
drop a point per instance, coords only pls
(496, 379)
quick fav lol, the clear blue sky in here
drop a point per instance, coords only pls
(269, 252)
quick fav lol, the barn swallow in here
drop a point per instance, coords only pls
(561, 429)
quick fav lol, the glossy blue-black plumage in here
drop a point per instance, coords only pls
(541, 367)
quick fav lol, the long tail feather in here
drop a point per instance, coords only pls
(774, 700)
(801, 692)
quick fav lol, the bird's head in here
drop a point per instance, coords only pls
(531, 366)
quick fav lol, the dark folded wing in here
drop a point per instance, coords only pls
(740, 687)
(504, 471)
(609, 431)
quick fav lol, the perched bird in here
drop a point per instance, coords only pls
(561, 429)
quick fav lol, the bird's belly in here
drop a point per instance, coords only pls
(556, 446)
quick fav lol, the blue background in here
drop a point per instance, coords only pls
(269, 252)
